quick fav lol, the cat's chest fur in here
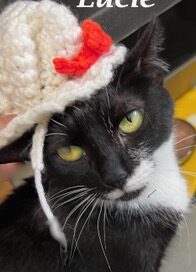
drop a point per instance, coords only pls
(132, 245)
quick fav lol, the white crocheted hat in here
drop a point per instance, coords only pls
(47, 61)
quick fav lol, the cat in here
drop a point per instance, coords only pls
(111, 177)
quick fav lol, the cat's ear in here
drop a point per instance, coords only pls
(143, 60)
(18, 151)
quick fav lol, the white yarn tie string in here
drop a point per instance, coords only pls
(38, 167)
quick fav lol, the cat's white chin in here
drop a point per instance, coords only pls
(160, 181)
(114, 194)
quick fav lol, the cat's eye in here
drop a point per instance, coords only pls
(70, 153)
(131, 122)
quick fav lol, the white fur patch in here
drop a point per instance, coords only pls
(164, 185)
(115, 194)
(141, 177)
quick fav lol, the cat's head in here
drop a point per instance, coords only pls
(117, 147)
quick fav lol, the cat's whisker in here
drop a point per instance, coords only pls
(176, 190)
(193, 205)
(70, 193)
(178, 220)
(188, 173)
(108, 98)
(70, 200)
(91, 200)
(118, 84)
(179, 226)
(104, 225)
(75, 209)
(66, 189)
(186, 147)
(99, 236)
(76, 108)
(67, 193)
(87, 219)
(186, 138)
(150, 194)
(26, 148)
(58, 123)
(168, 183)
(56, 133)
(191, 172)
(151, 122)
(188, 236)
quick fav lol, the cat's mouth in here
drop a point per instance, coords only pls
(120, 195)
(131, 195)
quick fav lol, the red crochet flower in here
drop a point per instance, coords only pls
(95, 43)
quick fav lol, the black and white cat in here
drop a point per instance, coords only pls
(111, 177)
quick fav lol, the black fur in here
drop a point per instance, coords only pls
(134, 242)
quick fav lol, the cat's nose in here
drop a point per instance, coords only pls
(117, 180)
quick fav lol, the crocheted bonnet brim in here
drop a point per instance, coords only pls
(32, 35)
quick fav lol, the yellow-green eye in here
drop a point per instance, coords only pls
(70, 153)
(131, 122)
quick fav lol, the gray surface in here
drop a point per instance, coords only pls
(181, 255)
(120, 23)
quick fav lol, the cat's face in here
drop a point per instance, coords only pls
(117, 146)
(103, 143)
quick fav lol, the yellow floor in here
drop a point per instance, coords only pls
(6, 188)
(185, 108)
